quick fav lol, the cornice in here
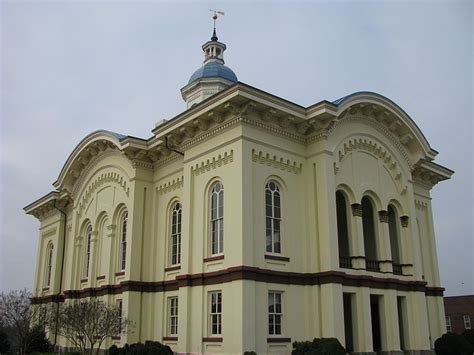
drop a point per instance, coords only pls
(48, 205)
(429, 174)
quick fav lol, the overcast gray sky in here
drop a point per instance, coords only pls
(69, 68)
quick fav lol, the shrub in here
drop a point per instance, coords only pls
(149, 348)
(324, 346)
(453, 344)
(469, 336)
(38, 342)
(4, 343)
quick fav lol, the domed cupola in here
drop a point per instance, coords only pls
(212, 77)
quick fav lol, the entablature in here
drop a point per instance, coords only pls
(428, 174)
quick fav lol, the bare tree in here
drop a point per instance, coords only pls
(86, 324)
(17, 313)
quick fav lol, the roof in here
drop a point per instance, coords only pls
(213, 69)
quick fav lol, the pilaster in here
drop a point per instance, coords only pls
(389, 322)
(362, 319)
(332, 311)
(326, 205)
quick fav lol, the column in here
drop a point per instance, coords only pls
(406, 253)
(357, 237)
(94, 258)
(383, 243)
(110, 277)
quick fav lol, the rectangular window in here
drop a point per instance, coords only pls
(275, 313)
(467, 322)
(448, 324)
(173, 316)
(215, 313)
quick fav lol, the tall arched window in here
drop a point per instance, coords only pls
(342, 230)
(368, 225)
(87, 252)
(393, 229)
(123, 240)
(48, 265)
(217, 219)
(273, 217)
(175, 242)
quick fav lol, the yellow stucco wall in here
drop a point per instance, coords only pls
(356, 156)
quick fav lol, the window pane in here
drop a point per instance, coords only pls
(271, 324)
(277, 306)
(276, 243)
(214, 206)
(277, 212)
(269, 240)
(277, 329)
(221, 204)
(271, 303)
(221, 236)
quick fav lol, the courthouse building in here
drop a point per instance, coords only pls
(248, 222)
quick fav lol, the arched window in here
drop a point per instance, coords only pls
(393, 229)
(48, 265)
(217, 219)
(123, 241)
(342, 229)
(368, 225)
(175, 242)
(273, 217)
(87, 252)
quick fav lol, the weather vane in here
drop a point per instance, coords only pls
(216, 15)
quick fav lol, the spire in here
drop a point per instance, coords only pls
(214, 36)
(214, 18)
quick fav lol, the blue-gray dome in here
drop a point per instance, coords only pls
(212, 70)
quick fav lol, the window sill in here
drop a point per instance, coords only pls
(45, 289)
(213, 258)
(84, 280)
(276, 257)
(171, 338)
(173, 268)
(102, 277)
(213, 339)
(120, 273)
(278, 340)
(116, 338)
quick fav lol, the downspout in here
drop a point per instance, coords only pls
(61, 275)
(173, 150)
